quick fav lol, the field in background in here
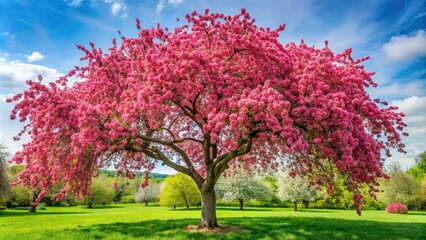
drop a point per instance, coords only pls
(135, 221)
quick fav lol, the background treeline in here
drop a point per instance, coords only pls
(237, 189)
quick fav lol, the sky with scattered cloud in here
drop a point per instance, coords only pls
(40, 38)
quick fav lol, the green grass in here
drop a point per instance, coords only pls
(135, 221)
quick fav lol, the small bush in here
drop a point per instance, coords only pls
(128, 199)
(41, 206)
(2, 207)
(397, 208)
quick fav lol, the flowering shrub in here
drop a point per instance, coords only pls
(397, 208)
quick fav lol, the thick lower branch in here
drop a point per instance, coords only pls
(221, 163)
(193, 173)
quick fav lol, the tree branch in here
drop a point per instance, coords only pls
(194, 174)
(188, 113)
(221, 162)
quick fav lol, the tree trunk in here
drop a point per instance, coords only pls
(33, 208)
(146, 203)
(208, 209)
(187, 204)
(174, 207)
(295, 206)
(241, 204)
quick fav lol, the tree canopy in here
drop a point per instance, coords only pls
(295, 189)
(149, 193)
(240, 186)
(102, 193)
(418, 171)
(179, 190)
(215, 92)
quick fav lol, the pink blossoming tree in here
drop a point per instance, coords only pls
(216, 92)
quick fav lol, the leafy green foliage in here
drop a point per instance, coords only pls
(118, 194)
(400, 187)
(419, 170)
(180, 190)
(4, 179)
(419, 200)
(102, 193)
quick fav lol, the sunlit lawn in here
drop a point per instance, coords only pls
(135, 221)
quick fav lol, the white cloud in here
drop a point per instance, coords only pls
(13, 75)
(395, 90)
(115, 8)
(414, 108)
(35, 56)
(406, 47)
(8, 35)
(160, 6)
(176, 2)
(73, 3)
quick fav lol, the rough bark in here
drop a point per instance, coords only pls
(33, 208)
(295, 206)
(241, 204)
(208, 209)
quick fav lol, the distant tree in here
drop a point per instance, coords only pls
(5, 192)
(150, 193)
(400, 187)
(421, 161)
(21, 196)
(272, 181)
(241, 187)
(101, 193)
(418, 171)
(119, 193)
(179, 190)
(294, 189)
(418, 202)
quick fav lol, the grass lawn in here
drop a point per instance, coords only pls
(135, 221)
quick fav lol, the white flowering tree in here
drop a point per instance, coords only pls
(294, 189)
(241, 187)
(150, 193)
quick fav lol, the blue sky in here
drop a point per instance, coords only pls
(39, 37)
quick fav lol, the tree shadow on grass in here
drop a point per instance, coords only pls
(245, 209)
(315, 210)
(261, 228)
(416, 213)
(182, 209)
(16, 213)
(103, 207)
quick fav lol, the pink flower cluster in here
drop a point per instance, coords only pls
(397, 208)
